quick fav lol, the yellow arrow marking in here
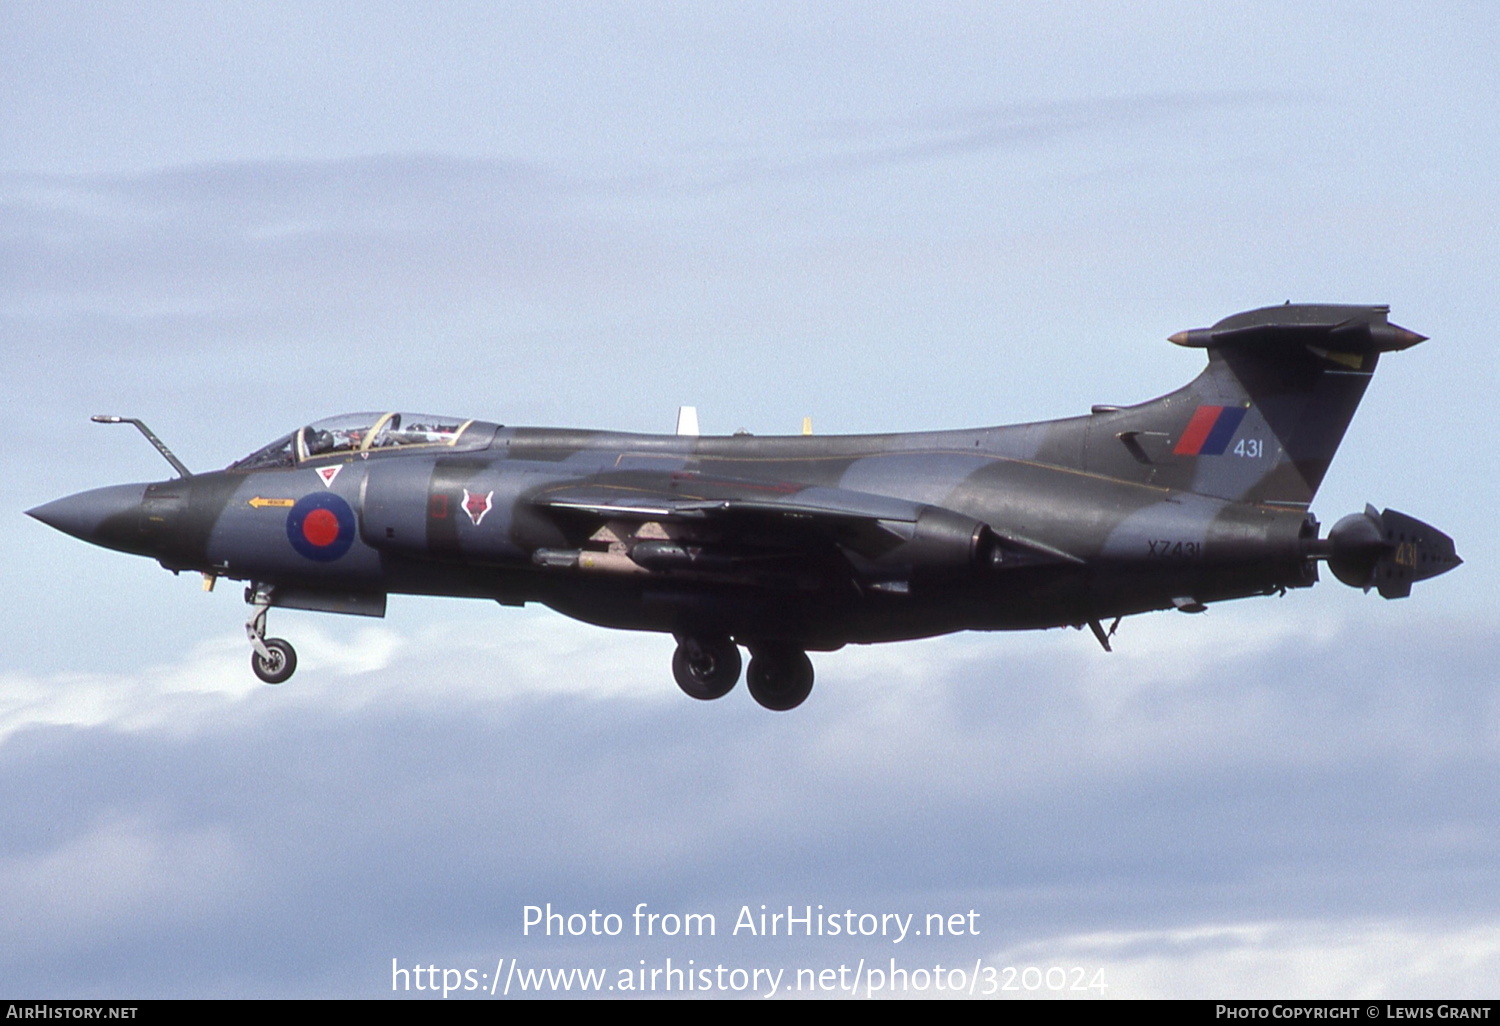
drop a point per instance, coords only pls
(259, 502)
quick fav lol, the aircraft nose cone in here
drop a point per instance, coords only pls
(104, 516)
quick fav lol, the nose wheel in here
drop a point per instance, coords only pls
(279, 662)
(274, 659)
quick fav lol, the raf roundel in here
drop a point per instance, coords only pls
(321, 527)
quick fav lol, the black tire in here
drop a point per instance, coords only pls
(779, 678)
(706, 669)
(281, 665)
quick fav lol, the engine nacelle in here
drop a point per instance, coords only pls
(938, 540)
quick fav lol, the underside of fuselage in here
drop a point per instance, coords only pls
(838, 613)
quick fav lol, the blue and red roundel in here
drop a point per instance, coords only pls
(321, 526)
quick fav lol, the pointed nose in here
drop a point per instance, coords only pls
(110, 517)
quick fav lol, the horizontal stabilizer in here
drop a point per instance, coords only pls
(1344, 329)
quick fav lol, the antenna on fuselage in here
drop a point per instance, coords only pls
(687, 420)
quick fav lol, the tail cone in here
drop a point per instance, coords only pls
(1387, 551)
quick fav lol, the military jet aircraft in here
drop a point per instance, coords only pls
(783, 545)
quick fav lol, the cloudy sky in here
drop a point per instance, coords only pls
(231, 220)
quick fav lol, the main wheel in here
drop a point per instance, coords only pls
(706, 669)
(779, 678)
(281, 665)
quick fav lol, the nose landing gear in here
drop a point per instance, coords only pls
(273, 659)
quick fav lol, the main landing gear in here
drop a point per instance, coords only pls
(273, 659)
(780, 676)
(706, 668)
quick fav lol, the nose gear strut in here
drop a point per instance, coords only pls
(273, 659)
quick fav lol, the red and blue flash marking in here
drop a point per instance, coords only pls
(1209, 431)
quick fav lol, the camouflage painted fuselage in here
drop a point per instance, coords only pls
(1196, 497)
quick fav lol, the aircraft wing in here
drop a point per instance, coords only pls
(872, 526)
(685, 498)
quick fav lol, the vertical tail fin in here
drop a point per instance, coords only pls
(1261, 423)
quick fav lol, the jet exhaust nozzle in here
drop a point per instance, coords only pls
(1387, 551)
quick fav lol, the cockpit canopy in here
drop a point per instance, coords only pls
(365, 433)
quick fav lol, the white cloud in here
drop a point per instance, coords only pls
(347, 664)
(1359, 960)
(480, 762)
(119, 871)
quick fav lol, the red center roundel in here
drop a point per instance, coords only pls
(320, 527)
